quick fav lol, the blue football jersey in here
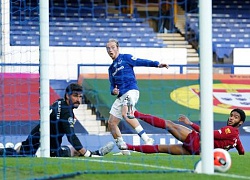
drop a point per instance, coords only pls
(121, 72)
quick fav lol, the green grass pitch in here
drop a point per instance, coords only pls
(138, 166)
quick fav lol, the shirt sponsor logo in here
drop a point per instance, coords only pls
(117, 69)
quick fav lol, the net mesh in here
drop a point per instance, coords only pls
(79, 31)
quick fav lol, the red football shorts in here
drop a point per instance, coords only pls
(192, 143)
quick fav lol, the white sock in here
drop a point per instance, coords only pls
(140, 131)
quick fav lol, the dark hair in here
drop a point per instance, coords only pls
(241, 112)
(73, 87)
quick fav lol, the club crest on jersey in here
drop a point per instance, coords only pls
(119, 61)
(227, 131)
(71, 121)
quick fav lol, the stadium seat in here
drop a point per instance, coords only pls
(231, 24)
(83, 23)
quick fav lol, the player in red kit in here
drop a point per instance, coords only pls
(226, 137)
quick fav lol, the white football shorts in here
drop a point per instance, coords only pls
(116, 109)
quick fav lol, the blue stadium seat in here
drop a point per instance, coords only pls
(231, 35)
(79, 24)
(231, 22)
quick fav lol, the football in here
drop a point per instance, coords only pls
(222, 160)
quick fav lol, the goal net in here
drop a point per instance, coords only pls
(78, 33)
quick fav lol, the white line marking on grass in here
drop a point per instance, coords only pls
(232, 175)
(132, 164)
(157, 167)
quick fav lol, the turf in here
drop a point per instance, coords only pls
(137, 166)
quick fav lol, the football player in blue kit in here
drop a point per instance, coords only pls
(124, 86)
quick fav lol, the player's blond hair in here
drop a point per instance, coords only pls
(115, 41)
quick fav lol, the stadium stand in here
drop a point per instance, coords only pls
(86, 25)
(230, 26)
(91, 23)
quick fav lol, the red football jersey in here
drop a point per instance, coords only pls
(226, 138)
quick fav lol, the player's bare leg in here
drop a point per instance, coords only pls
(113, 126)
(178, 131)
(175, 149)
(116, 133)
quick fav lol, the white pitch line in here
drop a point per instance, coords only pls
(232, 176)
(157, 167)
(132, 164)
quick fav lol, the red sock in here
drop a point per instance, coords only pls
(153, 120)
(144, 148)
